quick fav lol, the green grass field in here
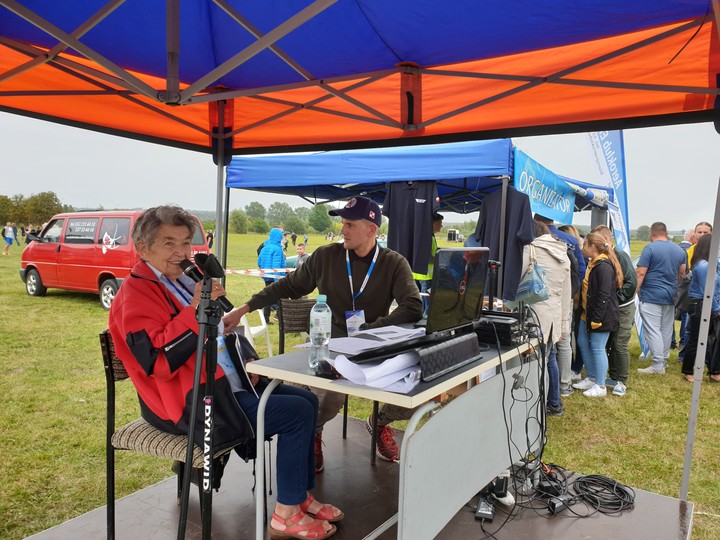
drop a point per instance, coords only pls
(52, 424)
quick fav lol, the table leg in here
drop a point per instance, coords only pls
(373, 435)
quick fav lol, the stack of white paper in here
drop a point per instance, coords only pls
(398, 374)
(375, 338)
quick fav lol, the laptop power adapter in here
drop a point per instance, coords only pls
(485, 510)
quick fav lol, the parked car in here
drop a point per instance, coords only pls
(86, 251)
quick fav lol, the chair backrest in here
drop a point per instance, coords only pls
(247, 329)
(293, 316)
(113, 366)
(251, 332)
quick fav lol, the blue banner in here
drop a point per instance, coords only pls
(609, 150)
(550, 196)
(622, 236)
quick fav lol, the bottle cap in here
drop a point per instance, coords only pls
(321, 298)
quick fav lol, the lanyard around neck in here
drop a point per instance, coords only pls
(182, 292)
(367, 276)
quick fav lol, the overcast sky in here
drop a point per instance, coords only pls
(672, 171)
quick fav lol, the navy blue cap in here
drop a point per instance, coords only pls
(360, 208)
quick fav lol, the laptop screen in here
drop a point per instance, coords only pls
(458, 286)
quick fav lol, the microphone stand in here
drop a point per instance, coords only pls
(208, 315)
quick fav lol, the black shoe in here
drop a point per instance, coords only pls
(554, 411)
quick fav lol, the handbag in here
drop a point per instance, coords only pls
(682, 300)
(532, 288)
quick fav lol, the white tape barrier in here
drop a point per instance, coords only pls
(260, 273)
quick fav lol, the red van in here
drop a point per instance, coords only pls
(86, 251)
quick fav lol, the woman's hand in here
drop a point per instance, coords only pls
(215, 293)
(232, 319)
(254, 377)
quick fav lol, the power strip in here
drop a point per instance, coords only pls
(485, 510)
(558, 504)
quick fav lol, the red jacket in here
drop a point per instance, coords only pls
(156, 339)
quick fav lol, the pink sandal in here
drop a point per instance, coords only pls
(325, 513)
(312, 531)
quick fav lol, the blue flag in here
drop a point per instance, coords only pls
(609, 150)
(550, 195)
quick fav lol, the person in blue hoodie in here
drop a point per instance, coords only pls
(272, 256)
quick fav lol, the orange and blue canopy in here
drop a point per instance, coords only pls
(282, 75)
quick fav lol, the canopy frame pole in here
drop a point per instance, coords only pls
(501, 252)
(285, 57)
(225, 229)
(280, 31)
(172, 45)
(220, 241)
(257, 34)
(699, 367)
(45, 57)
(129, 80)
(258, 91)
(555, 77)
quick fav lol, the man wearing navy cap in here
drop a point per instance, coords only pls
(360, 280)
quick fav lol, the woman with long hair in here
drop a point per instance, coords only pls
(600, 312)
(699, 264)
(571, 230)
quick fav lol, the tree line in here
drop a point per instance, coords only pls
(35, 209)
(258, 219)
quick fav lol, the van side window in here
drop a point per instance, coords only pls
(81, 231)
(198, 238)
(52, 232)
(114, 231)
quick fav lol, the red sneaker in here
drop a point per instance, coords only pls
(319, 461)
(385, 447)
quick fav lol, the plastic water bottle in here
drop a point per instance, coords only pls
(320, 325)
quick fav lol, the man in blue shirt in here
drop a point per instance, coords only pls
(661, 265)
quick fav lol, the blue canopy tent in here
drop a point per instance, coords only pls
(465, 172)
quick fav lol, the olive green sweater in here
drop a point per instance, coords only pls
(326, 270)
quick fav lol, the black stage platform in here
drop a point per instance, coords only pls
(368, 496)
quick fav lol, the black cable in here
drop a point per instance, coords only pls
(487, 534)
(539, 404)
(608, 496)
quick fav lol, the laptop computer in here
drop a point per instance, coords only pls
(456, 298)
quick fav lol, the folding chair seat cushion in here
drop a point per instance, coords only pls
(140, 436)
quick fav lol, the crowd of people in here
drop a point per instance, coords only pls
(594, 332)
(11, 235)
(585, 323)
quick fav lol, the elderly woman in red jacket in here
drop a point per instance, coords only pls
(153, 324)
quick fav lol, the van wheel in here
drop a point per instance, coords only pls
(108, 289)
(34, 285)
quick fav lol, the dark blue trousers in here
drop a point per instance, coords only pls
(291, 415)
